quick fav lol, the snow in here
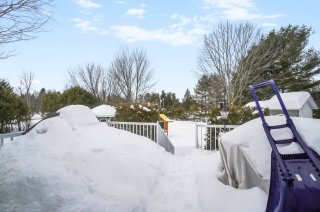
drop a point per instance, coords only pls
(252, 137)
(75, 163)
(35, 119)
(104, 111)
(292, 100)
(182, 136)
(146, 109)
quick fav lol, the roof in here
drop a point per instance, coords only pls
(104, 111)
(292, 101)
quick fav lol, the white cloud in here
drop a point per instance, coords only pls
(89, 26)
(228, 3)
(237, 9)
(136, 12)
(85, 26)
(87, 4)
(120, 2)
(176, 38)
(183, 21)
(269, 24)
(237, 13)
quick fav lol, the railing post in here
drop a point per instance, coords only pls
(196, 137)
(157, 129)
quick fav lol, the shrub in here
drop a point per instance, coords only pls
(136, 112)
(237, 116)
(14, 112)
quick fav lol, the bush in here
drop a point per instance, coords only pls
(14, 112)
(136, 112)
(237, 116)
(78, 96)
(316, 114)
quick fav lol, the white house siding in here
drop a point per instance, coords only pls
(306, 111)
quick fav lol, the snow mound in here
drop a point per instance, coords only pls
(74, 163)
(78, 116)
(254, 143)
(104, 111)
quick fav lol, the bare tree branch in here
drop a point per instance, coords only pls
(21, 20)
(223, 52)
(132, 74)
(25, 85)
(91, 77)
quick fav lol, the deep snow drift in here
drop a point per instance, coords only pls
(74, 163)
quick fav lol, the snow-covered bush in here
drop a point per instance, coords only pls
(237, 115)
(136, 112)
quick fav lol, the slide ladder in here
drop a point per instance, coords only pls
(295, 178)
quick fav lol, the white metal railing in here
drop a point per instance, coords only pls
(163, 140)
(148, 130)
(207, 136)
(152, 131)
(9, 136)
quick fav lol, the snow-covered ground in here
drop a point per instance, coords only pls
(182, 136)
(74, 163)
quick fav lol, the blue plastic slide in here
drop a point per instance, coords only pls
(295, 178)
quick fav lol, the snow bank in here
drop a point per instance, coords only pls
(72, 162)
(248, 142)
(104, 111)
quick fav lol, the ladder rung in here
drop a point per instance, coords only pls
(278, 126)
(285, 141)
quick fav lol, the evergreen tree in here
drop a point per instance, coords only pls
(78, 96)
(188, 102)
(14, 112)
(296, 67)
(51, 102)
(208, 92)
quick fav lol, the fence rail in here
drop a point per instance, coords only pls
(207, 136)
(152, 131)
(9, 135)
(148, 130)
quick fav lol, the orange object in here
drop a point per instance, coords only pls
(164, 120)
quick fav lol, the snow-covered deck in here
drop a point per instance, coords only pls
(72, 162)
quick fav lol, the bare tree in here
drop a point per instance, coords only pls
(142, 73)
(223, 51)
(21, 20)
(25, 85)
(91, 77)
(132, 74)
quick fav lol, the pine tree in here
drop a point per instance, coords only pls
(296, 67)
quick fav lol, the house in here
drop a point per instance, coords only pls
(298, 104)
(104, 113)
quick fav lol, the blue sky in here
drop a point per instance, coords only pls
(170, 31)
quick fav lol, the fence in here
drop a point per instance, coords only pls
(207, 136)
(148, 130)
(9, 136)
(152, 131)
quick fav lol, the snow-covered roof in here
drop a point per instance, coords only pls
(292, 101)
(104, 111)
